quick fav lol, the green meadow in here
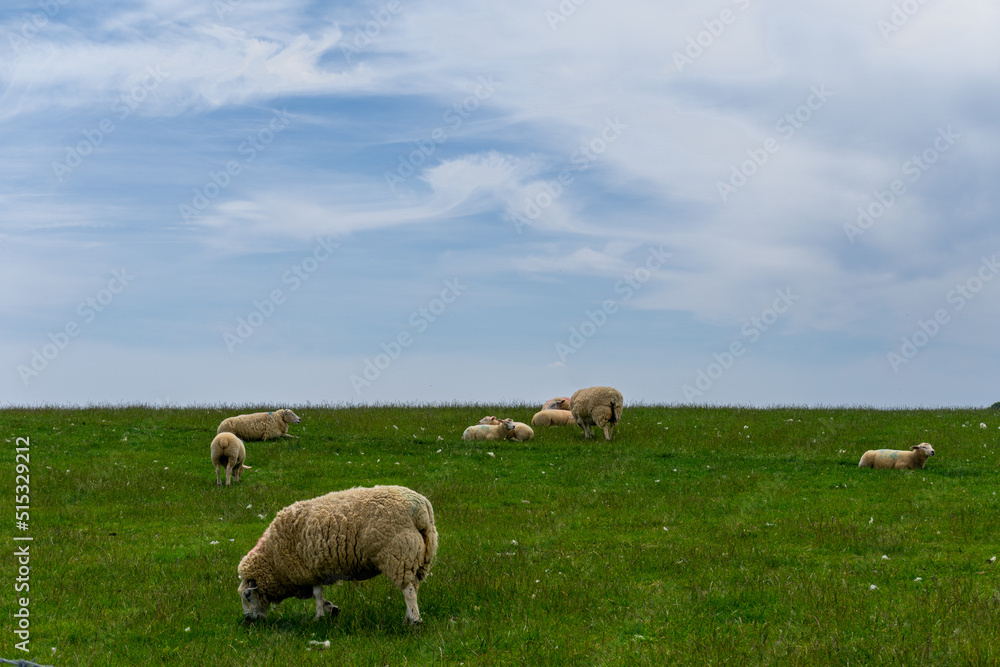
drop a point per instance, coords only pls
(697, 536)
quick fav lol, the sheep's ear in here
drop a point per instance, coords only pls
(915, 447)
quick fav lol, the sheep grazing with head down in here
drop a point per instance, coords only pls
(553, 418)
(558, 403)
(597, 406)
(260, 425)
(522, 431)
(228, 451)
(490, 430)
(897, 459)
(348, 535)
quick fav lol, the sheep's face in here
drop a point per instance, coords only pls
(254, 606)
(508, 423)
(289, 417)
(925, 447)
(491, 420)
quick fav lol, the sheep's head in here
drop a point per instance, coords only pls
(254, 603)
(491, 420)
(288, 416)
(508, 423)
(925, 447)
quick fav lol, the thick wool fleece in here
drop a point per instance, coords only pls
(597, 406)
(553, 418)
(897, 459)
(355, 535)
(228, 452)
(260, 425)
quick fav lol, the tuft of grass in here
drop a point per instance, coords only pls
(696, 536)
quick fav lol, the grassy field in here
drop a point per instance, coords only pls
(697, 536)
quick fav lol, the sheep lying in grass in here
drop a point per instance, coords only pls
(553, 418)
(897, 459)
(260, 425)
(349, 535)
(228, 451)
(522, 431)
(492, 430)
(558, 403)
(597, 406)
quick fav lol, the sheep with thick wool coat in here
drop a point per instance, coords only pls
(553, 418)
(597, 406)
(260, 425)
(558, 403)
(228, 451)
(350, 535)
(490, 430)
(897, 459)
(522, 431)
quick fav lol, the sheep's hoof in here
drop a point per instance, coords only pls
(411, 622)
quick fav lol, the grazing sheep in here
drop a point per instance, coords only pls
(349, 535)
(553, 418)
(597, 406)
(897, 459)
(492, 430)
(228, 451)
(559, 403)
(260, 425)
(522, 431)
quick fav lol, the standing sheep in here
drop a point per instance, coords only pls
(522, 431)
(597, 406)
(558, 403)
(228, 451)
(897, 459)
(494, 430)
(553, 418)
(260, 425)
(349, 535)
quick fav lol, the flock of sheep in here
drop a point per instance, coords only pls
(360, 533)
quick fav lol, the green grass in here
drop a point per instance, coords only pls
(697, 536)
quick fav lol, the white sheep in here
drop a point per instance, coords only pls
(492, 430)
(897, 459)
(228, 451)
(349, 535)
(558, 403)
(553, 418)
(522, 431)
(597, 406)
(260, 425)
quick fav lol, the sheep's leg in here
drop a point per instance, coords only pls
(289, 435)
(218, 477)
(229, 473)
(322, 604)
(412, 611)
(608, 428)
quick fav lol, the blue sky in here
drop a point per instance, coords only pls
(733, 202)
